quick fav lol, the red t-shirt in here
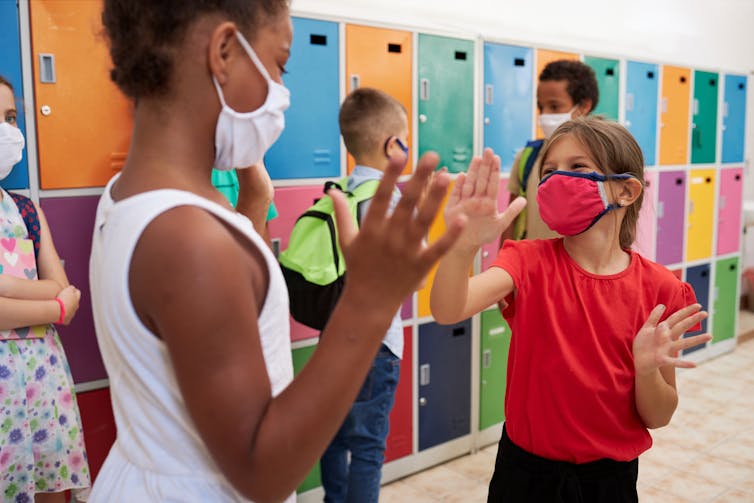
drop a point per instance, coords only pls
(570, 390)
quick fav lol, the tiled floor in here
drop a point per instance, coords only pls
(706, 454)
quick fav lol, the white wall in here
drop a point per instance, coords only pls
(711, 35)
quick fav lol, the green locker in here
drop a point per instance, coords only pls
(607, 72)
(300, 357)
(704, 118)
(726, 296)
(446, 100)
(496, 339)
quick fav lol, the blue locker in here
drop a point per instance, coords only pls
(444, 383)
(310, 144)
(734, 118)
(641, 106)
(10, 68)
(699, 277)
(508, 99)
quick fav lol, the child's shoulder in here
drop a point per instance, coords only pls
(657, 273)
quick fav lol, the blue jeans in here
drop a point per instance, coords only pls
(364, 434)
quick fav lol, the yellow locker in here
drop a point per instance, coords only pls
(543, 58)
(674, 115)
(380, 58)
(700, 214)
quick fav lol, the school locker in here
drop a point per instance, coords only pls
(489, 250)
(381, 58)
(646, 227)
(446, 100)
(300, 357)
(729, 211)
(543, 58)
(495, 342)
(401, 436)
(725, 301)
(700, 214)
(704, 118)
(407, 308)
(291, 202)
(641, 107)
(699, 279)
(71, 221)
(83, 120)
(435, 231)
(508, 99)
(734, 118)
(607, 72)
(444, 375)
(309, 147)
(674, 115)
(10, 69)
(98, 424)
(671, 208)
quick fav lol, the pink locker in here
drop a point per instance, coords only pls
(646, 228)
(729, 211)
(489, 251)
(291, 202)
(400, 438)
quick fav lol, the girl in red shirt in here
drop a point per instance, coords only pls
(597, 328)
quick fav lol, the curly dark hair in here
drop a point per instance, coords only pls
(582, 84)
(143, 35)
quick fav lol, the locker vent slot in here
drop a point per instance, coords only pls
(519, 62)
(394, 48)
(318, 39)
(650, 75)
(610, 71)
(461, 55)
(459, 331)
(47, 68)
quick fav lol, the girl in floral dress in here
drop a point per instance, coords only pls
(41, 441)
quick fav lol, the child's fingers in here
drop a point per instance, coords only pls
(440, 247)
(471, 176)
(689, 342)
(430, 206)
(685, 312)
(685, 324)
(347, 229)
(381, 201)
(455, 195)
(485, 169)
(493, 186)
(511, 212)
(654, 317)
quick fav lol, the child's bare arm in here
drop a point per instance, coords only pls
(655, 348)
(17, 313)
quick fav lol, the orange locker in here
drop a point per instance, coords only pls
(83, 121)
(674, 115)
(380, 58)
(543, 58)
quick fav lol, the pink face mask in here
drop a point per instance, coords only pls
(570, 202)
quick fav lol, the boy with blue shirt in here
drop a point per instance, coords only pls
(374, 127)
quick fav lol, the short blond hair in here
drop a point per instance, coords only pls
(368, 117)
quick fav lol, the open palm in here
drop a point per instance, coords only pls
(475, 197)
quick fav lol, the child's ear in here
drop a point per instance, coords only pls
(629, 191)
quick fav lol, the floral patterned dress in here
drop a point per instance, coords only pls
(41, 440)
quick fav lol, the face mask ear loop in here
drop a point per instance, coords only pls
(253, 55)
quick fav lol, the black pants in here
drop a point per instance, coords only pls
(522, 477)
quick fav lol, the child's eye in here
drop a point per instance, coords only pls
(547, 171)
(10, 119)
(283, 71)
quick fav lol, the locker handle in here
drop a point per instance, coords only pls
(47, 68)
(722, 202)
(275, 242)
(354, 82)
(660, 209)
(424, 89)
(629, 101)
(664, 105)
(696, 106)
(487, 358)
(488, 94)
(424, 374)
(725, 109)
(691, 207)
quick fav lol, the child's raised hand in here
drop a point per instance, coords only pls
(475, 196)
(388, 256)
(70, 296)
(658, 344)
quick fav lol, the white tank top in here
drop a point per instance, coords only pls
(158, 454)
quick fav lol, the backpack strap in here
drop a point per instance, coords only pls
(31, 219)
(525, 165)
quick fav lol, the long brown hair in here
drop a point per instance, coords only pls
(615, 151)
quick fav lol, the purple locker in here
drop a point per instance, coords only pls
(489, 251)
(407, 309)
(71, 221)
(729, 211)
(646, 228)
(671, 204)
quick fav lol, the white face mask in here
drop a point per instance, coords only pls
(11, 148)
(241, 139)
(550, 122)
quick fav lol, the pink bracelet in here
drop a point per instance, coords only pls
(62, 311)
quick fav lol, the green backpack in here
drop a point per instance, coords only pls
(313, 264)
